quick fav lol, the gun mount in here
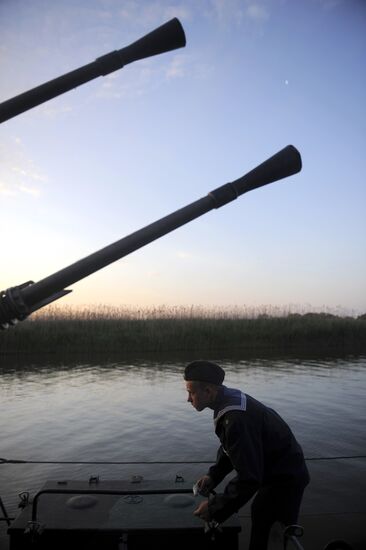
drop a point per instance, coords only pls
(167, 37)
(16, 303)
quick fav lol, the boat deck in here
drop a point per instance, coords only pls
(333, 508)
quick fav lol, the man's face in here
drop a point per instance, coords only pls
(198, 395)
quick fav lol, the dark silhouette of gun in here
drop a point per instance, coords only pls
(18, 302)
(169, 36)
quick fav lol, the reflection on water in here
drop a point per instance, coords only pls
(137, 411)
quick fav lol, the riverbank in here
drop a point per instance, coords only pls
(178, 329)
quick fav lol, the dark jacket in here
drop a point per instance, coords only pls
(258, 444)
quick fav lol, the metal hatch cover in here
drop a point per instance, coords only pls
(99, 514)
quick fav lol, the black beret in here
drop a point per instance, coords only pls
(204, 371)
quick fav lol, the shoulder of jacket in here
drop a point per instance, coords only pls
(231, 418)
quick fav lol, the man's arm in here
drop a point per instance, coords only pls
(245, 453)
(236, 494)
(216, 474)
(221, 468)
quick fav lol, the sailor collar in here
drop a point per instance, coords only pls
(228, 399)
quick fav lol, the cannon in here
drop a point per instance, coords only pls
(17, 302)
(167, 37)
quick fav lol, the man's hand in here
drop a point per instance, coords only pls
(202, 511)
(205, 485)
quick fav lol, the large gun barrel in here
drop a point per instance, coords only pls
(169, 36)
(18, 302)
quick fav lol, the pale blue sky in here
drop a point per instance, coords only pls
(101, 161)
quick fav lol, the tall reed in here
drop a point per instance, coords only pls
(165, 329)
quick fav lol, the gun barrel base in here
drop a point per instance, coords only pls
(12, 306)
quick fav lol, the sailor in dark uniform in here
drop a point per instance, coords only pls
(255, 442)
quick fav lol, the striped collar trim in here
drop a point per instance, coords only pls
(240, 405)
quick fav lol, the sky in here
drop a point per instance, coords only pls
(107, 158)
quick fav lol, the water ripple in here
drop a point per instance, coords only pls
(138, 411)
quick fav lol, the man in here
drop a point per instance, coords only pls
(256, 443)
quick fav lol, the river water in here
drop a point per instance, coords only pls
(136, 410)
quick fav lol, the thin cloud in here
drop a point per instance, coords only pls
(135, 83)
(146, 77)
(151, 13)
(18, 173)
(182, 255)
(179, 11)
(329, 5)
(153, 274)
(177, 67)
(35, 192)
(6, 190)
(29, 173)
(228, 12)
(257, 12)
(51, 111)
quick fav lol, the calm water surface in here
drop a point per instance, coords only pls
(137, 411)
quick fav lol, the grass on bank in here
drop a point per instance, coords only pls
(167, 329)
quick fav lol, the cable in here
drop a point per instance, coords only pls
(125, 463)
